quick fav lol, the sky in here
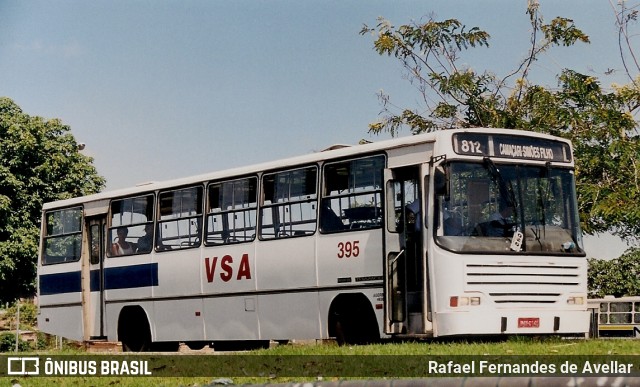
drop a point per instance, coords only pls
(170, 88)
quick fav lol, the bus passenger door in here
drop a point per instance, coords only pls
(404, 263)
(95, 310)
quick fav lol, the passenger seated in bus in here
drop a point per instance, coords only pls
(145, 242)
(500, 223)
(120, 245)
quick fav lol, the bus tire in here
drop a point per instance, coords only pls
(133, 330)
(352, 320)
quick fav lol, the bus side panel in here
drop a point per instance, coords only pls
(94, 309)
(129, 278)
(286, 264)
(60, 300)
(351, 258)
(324, 304)
(289, 316)
(60, 284)
(178, 320)
(228, 268)
(65, 321)
(178, 274)
(231, 318)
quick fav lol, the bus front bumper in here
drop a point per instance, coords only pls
(512, 322)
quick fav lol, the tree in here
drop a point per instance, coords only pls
(618, 277)
(625, 16)
(39, 162)
(600, 123)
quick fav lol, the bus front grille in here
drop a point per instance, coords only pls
(523, 283)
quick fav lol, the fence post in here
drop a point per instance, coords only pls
(17, 324)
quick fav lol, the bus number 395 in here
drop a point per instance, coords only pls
(348, 249)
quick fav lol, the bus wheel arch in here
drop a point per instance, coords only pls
(352, 320)
(134, 330)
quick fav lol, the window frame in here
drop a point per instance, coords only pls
(111, 227)
(47, 236)
(234, 211)
(310, 199)
(198, 217)
(353, 191)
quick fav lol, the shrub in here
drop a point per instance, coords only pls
(28, 315)
(8, 343)
(617, 277)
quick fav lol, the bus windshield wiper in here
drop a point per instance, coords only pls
(518, 242)
(505, 191)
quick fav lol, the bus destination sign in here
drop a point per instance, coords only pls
(511, 147)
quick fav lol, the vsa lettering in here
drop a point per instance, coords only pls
(227, 268)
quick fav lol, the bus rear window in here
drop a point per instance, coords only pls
(63, 239)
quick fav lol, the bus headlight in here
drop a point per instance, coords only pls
(455, 301)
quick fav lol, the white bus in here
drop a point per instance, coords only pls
(615, 317)
(459, 232)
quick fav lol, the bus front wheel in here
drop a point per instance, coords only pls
(133, 330)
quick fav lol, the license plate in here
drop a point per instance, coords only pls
(528, 322)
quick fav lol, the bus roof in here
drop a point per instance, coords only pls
(330, 153)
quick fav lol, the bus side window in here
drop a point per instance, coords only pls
(352, 195)
(289, 203)
(231, 212)
(180, 219)
(131, 226)
(63, 239)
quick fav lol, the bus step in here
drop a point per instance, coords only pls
(95, 346)
(415, 323)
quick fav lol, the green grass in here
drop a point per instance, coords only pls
(512, 346)
(478, 349)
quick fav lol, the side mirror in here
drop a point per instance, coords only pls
(440, 183)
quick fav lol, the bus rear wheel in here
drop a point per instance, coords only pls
(352, 320)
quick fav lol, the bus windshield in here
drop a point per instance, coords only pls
(487, 207)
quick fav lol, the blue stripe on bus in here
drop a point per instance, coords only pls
(60, 283)
(94, 280)
(126, 277)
